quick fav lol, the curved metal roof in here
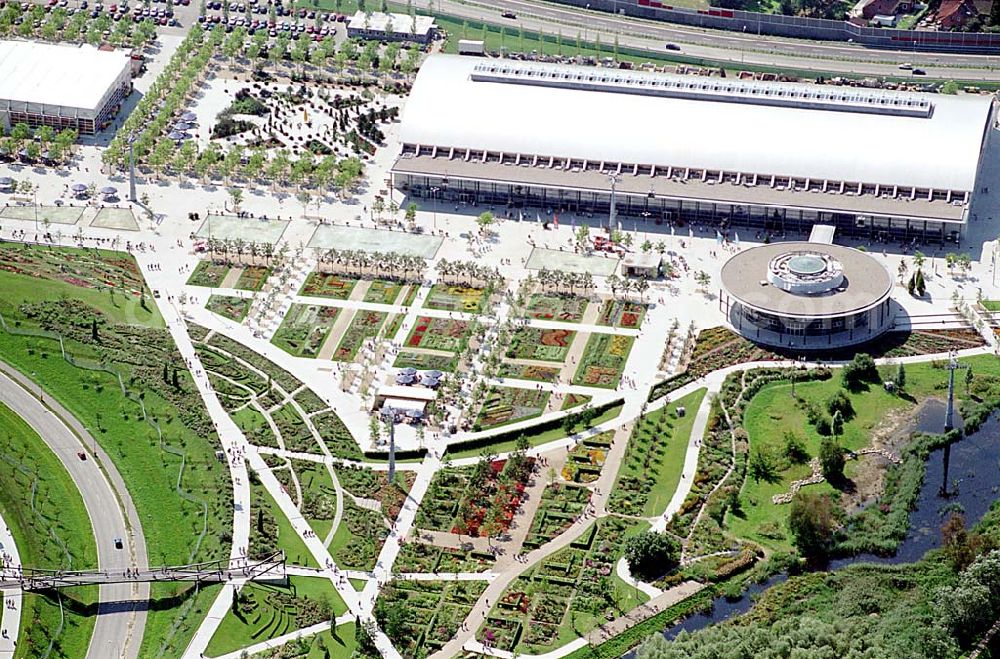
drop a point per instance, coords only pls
(866, 282)
(546, 116)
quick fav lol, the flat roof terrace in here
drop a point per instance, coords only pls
(540, 175)
(866, 282)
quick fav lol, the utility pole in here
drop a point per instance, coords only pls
(389, 416)
(949, 417)
(614, 178)
(131, 168)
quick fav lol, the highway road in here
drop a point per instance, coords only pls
(733, 47)
(118, 629)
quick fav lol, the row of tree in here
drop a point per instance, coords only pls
(44, 142)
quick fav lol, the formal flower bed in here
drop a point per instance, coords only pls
(495, 489)
(283, 378)
(547, 345)
(382, 291)
(529, 372)
(419, 557)
(294, 431)
(366, 534)
(424, 362)
(584, 462)
(440, 504)
(456, 298)
(565, 308)
(252, 278)
(364, 325)
(603, 361)
(438, 334)
(369, 484)
(619, 313)
(324, 284)
(560, 506)
(505, 405)
(421, 616)
(336, 436)
(208, 274)
(233, 308)
(304, 329)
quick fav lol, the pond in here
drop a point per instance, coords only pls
(973, 481)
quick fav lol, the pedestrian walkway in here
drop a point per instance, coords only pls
(10, 615)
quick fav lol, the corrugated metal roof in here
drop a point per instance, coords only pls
(66, 75)
(785, 138)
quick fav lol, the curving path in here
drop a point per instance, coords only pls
(10, 615)
(118, 628)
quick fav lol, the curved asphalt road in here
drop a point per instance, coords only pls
(720, 45)
(122, 613)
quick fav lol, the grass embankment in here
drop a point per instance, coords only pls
(266, 611)
(138, 350)
(51, 529)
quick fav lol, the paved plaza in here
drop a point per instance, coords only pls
(335, 236)
(249, 229)
(116, 218)
(568, 261)
(54, 214)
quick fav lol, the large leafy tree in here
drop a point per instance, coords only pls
(651, 555)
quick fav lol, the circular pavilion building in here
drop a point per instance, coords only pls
(806, 295)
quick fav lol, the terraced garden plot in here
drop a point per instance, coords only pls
(565, 308)
(265, 611)
(364, 325)
(619, 313)
(255, 427)
(294, 430)
(359, 538)
(381, 291)
(369, 484)
(425, 362)
(504, 405)
(208, 274)
(445, 334)
(545, 345)
(570, 593)
(584, 462)
(304, 329)
(325, 284)
(421, 616)
(253, 277)
(283, 378)
(319, 498)
(336, 436)
(418, 557)
(603, 361)
(233, 308)
(529, 372)
(560, 505)
(216, 361)
(456, 298)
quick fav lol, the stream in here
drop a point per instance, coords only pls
(973, 484)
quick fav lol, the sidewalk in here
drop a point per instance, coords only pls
(10, 618)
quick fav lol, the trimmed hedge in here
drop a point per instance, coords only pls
(544, 426)
(674, 382)
(383, 456)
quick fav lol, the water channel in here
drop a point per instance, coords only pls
(973, 482)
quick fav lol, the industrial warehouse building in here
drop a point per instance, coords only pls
(779, 157)
(62, 86)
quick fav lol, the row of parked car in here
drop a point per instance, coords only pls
(115, 11)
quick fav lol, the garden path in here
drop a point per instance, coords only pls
(534, 362)
(661, 602)
(10, 618)
(340, 325)
(360, 290)
(431, 351)
(591, 313)
(508, 569)
(401, 296)
(338, 514)
(233, 276)
(573, 357)
(583, 327)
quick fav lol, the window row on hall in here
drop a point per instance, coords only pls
(708, 176)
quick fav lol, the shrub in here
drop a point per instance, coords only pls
(795, 448)
(831, 459)
(812, 521)
(840, 402)
(860, 370)
(651, 555)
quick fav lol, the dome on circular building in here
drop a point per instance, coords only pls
(806, 295)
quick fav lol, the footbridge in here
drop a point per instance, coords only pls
(269, 568)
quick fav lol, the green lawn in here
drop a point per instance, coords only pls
(654, 460)
(296, 552)
(273, 610)
(991, 305)
(175, 529)
(319, 500)
(59, 510)
(534, 439)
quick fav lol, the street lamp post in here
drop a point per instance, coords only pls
(389, 416)
(434, 191)
(611, 216)
(131, 168)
